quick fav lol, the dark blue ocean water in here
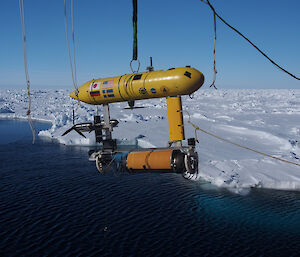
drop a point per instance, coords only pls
(53, 202)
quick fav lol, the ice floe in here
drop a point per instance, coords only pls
(266, 120)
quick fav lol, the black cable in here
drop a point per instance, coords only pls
(274, 63)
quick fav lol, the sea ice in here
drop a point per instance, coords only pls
(266, 120)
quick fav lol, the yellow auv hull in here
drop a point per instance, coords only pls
(137, 86)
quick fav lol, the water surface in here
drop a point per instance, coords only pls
(53, 202)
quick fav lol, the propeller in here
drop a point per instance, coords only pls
(88, 127)
(84, 127)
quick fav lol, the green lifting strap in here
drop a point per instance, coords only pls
(134, 23)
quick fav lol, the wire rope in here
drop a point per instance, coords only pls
(73, 42)
(248, 40)
(21, 6)
(236, 144)
(72, 62)
(215, 39)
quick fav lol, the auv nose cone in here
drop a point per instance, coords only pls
(73, 94)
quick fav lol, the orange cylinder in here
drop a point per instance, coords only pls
(150, 160)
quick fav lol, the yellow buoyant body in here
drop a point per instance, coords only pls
(137, 86)
(176, 128)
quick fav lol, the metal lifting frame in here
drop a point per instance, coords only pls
(104, 128)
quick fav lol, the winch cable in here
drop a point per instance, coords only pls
(21, 6)
(73, 42)
(135, 41)
(238, 32)
(72, 63)
(215, 39)
(233, 143)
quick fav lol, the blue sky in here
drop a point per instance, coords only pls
(174, 32)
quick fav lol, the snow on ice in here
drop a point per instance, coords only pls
(266, 120)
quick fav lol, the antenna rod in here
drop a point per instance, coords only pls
(150, 68)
